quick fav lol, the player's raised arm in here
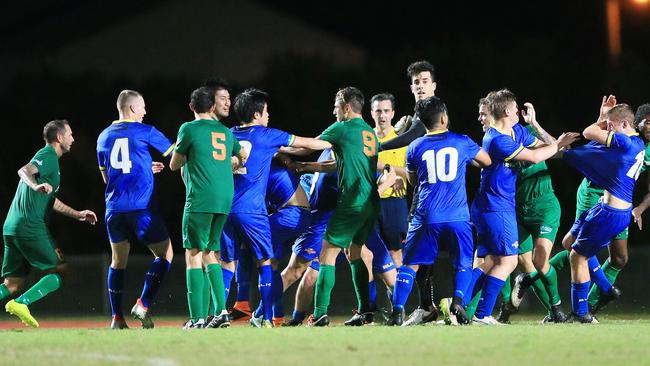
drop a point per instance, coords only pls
(547, 151)
(27, 174)
(598, 130)
(530, 117)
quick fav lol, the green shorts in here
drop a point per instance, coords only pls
(21, 253)
(539, 218)
(587, 197)
(351, 225)
(202, 231)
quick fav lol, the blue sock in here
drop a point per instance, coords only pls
(298, 315)
(277, 291)
(579, 294)
(463, 279)
(115, 290)
(403, 286)
(598, 276)
(243, 279)
(491, 289)
(159, 267)
(372, 288)
(476, 285)
(259, 311)
(265, 287)
(227, 280)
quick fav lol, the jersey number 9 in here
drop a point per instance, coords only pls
(369, 143)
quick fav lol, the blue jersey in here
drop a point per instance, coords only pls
(440, 160)
(614, 166)
(123, 152)
(498, 181)
(282, 185)
(261, 143)
(324, 189)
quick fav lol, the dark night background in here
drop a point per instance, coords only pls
(70, 59)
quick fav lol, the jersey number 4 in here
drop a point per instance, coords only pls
(442, 165)
(120, 158)
(635, 170)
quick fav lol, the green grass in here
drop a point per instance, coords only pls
(523, 343)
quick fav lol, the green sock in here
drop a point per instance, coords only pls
(324, 286)
(611, 273)
(47, 284)
(539, 290)
(4, 292)
(550, 283)
(360, 278)
(506, 290)
(560, 260)
(195, 289)
(207, 303)
(218, 292)
(470, 309)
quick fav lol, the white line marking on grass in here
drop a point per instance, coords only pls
(111, 357)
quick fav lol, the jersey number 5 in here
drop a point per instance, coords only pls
(120, 158)
(219, 153)
(369, 143)
(437, 167)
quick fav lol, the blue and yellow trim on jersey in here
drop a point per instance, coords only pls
(169, 151)
(519, 149)
(292, 138)
(439, 132)
(610, 135)
(102, 168)
(124, 120)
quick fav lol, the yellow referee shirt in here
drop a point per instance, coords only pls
(395, 157)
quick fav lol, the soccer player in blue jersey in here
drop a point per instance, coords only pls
(612, 160)
(493, 210)
(437, 162)
(248, 221)
(131, 210)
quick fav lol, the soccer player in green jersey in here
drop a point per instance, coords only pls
(204, 149)
(642, 119)
(28, 242)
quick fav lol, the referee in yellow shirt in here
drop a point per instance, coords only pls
(393, 219)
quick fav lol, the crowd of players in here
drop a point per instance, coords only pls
(248, 201)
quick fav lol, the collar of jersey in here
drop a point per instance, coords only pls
(633, 134)
(124, 120)
(501, 132)
(437, 132)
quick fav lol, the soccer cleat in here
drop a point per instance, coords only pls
(396, 318)
(421, 316)
(267, 324)
(585, 319)
(256, 322)
(277, 322)
(322, 321)
(521, 285)
(221, 321)
(292, 323)
(505, 311)
(118, 323)
(557, 314)
(22, 312)
(613, 294)
(194, 325)
(239, 313)
(548, 319)
(141, 313)
(445, 309)
(488, 320)
(360, 319)
(458, 311)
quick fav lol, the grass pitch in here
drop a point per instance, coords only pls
(617, 340)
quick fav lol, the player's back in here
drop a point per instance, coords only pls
(439, 160)
(261, 143)
(281, 186)
(324, 190)
(123, 152)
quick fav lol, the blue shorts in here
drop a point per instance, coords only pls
(393, 222)
(310, 242)
(250, 229)
(146, 226)
(497, 232)
(595, 228)
(286, 225)
(424, 241)
(381, 259)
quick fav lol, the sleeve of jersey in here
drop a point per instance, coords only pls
(182, 142)
(504, 148)
(529, 139)
(159, 142)
(472, 149)
(417, 130)
(101, 161)
(331, 134)
(43, 162)
(410, 166)
(617, 140)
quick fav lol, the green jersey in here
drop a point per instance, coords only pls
(355, 146)
(30, 210)
(646, 159)
(533, 180)
(207, 146)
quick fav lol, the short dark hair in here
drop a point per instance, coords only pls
(381, 97)
(497, 102)
(353, 97)
(216, 84)
(248, 103)
(202, 99)
(53, 129)
(642, 113)
(429, 110)
(418, 67)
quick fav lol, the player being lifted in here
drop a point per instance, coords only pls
(131, 210)
(437, 162)
(28, 242)
(205, 149)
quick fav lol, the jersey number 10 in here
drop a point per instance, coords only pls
(437, 167)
